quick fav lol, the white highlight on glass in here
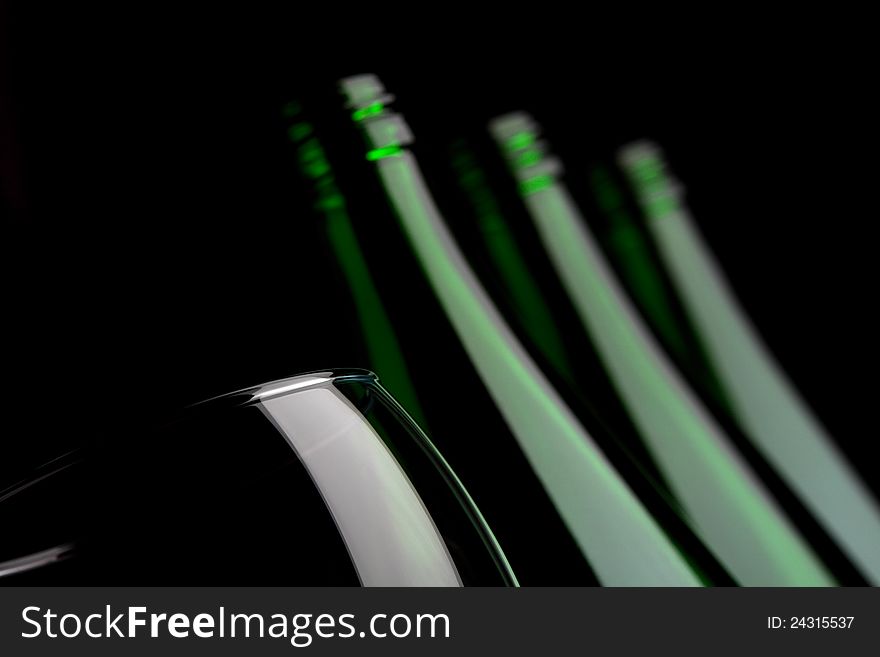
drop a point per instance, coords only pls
(389, 533)
(297, 383)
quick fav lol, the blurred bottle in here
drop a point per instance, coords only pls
(522, 405)
(761, 399)
(506, 253)
(397, 321)
(383, 353)
(688, 442)
(634, 258)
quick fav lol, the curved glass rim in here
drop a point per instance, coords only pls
(255, 394)
(277, 387)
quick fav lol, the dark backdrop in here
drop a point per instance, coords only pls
(159, 250)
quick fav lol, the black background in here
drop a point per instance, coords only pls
(159, 248)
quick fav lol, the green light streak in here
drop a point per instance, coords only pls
(384, 350)
(381, 153)
(630, 249)
(315, 168)
(529, 158)
(520, 140)
(535, 184)
(632, 252)
(311, 159)
(521, 286)
(621, 541)
(385, 355)
(728, 506)
(766, 404)
(299, 131)
(372, 109)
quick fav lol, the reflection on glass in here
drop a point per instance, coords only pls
(321, 479)
(387, 530)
